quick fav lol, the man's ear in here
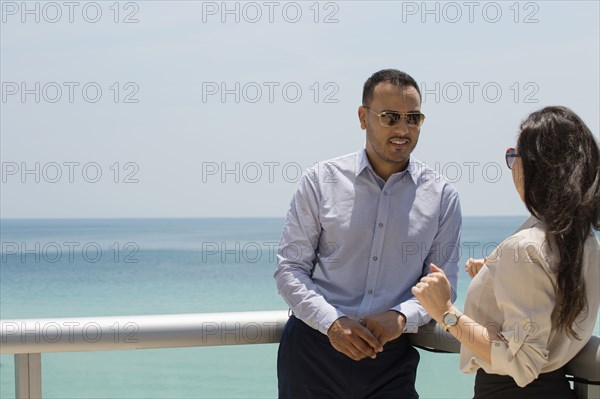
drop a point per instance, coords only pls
(362, 115)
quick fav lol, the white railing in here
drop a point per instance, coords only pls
(27, 339)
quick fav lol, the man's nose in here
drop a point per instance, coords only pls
(401, 126)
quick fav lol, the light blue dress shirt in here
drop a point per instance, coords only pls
(354, 244)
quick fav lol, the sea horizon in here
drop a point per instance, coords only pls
(205, 217)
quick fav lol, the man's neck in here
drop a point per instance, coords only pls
(386, 170)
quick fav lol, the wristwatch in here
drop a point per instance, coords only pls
(450, 319)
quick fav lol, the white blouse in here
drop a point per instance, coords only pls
(514, 295)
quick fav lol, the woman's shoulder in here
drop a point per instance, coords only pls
(531, 234)
(532, 239)
(526, 246)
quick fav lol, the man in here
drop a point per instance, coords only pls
(361, 231)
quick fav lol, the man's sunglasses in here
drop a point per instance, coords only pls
(391, 118)
(510, 156)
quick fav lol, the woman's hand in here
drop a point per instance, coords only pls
(472, 266)
(433, 292)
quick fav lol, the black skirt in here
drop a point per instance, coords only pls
(548, 385)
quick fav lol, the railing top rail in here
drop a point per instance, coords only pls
(75, 334)
(83, 334)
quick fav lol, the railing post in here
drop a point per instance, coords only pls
(28, 376)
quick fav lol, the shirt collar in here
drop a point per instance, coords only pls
(362, 162)
(413, 169)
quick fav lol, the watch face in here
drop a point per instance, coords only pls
(450, 319)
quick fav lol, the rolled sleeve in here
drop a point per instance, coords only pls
(525, 295)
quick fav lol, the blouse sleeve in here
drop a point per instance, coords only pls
(525, 295)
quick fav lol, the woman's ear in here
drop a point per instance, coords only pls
(519, 178)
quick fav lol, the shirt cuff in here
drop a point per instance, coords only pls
(411, 312)
(326, 319)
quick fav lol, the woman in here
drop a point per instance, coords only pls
(533, 306)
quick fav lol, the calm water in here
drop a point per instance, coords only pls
(60, 268)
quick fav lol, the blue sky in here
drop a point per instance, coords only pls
(192, 109)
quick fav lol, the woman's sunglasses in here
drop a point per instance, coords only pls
(510, 156)
(391, 118)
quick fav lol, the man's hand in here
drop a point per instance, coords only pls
(472, 266)
(353, 339)
(385, 326)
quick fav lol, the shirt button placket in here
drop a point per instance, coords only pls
(377, 248)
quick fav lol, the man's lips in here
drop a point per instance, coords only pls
(399, 141)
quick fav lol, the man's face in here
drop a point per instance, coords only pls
(389, 148)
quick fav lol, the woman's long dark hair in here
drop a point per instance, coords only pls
(561, 168)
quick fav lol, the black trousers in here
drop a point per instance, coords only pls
(309, 367)
(548, 385)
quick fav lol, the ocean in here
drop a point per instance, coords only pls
(110, 267)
